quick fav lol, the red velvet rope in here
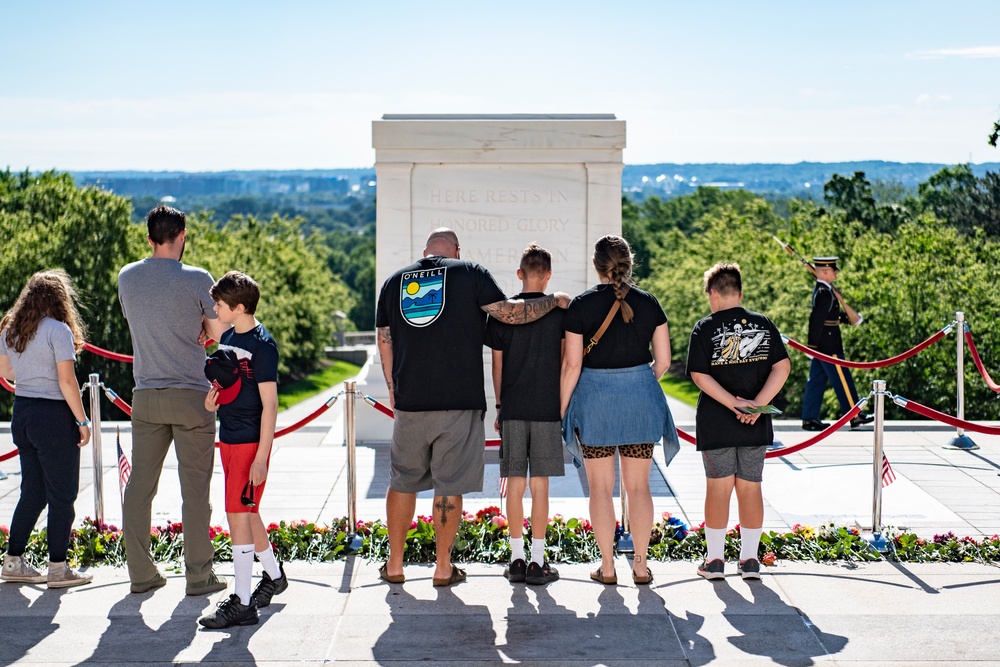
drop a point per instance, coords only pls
(931, 413)
(6, 385)
(101, 352)
(869, 364)
(979, 362)
(9, 455)
(305, 420)
(825, 433)
(388, 412)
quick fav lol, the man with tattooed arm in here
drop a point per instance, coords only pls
(430, 323)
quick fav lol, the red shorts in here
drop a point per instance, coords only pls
(236, 460)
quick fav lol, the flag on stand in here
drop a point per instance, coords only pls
(124, 469)
(888, 476)
(503, 487)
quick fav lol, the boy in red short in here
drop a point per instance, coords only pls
(244, 374)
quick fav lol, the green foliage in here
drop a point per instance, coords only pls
(328, 375)
(907, 277)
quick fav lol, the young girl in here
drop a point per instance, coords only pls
(39, 339)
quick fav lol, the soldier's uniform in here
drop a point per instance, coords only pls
(824, 336)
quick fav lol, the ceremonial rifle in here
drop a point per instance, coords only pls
(852, 315)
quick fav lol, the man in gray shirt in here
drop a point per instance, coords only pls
(168, 306)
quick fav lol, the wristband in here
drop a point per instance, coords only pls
(498, 406)
(85, 422)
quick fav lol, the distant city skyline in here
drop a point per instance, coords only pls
(253, 85)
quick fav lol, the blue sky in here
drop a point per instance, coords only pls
(295, 85)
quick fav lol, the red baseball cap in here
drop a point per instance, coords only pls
(222, 368)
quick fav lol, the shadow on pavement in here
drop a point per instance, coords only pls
(26, 622)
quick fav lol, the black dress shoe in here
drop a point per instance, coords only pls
(813, 425)
(861, 420)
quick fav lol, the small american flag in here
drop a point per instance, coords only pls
(888, 476)
(503, 487)
(124, 469)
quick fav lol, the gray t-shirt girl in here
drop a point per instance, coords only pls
(35, 368)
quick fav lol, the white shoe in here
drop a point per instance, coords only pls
(61, 576)
(16, 569)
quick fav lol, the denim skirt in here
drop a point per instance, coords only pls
(618, 406)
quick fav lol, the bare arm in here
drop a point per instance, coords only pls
(775, 381)
(268, 420)
(572, 364)
(383, 340)
(6, 370)
(71, 393)
(661, 350)
(213, 327)
(523, 311)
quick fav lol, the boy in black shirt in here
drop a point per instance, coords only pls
(526, 367)
(247, 400)
(734, 353)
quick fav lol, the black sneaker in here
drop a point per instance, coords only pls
(268, 587)
(715, 569)
(231, 612)
(861, 420)
(539, 575)
(515, 571)
(749, 568)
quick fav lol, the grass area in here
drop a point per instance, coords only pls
(329, 374)
(680, 388)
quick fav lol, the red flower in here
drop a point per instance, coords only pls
(272, 527)
(769, 558)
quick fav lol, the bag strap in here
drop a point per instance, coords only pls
(604, 325)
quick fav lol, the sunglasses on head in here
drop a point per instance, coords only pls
(247, 496)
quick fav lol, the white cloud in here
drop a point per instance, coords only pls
(971, 52)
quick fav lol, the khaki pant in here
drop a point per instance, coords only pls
(159, 417)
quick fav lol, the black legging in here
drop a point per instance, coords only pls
(46, 436)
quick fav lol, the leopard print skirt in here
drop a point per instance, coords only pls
(643, 450)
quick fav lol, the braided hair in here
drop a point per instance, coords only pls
(613, 260)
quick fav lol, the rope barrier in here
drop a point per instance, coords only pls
(931, 413)
(825, 433)
(6, 385)
(979, 362)
(101, 352)
(388, 412)
(305, 420)
(9, 455)
(809, 352)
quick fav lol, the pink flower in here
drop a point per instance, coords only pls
(769, 558)
(500, 521)
(413, 524)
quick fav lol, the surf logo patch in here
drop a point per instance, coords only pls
(421, 296)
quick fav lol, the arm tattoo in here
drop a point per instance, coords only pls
(386, 375)
(521, 311)
(444, 506)
(384, 336)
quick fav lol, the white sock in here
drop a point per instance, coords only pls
(749, 542)
(243, 569)
(538, 550)
(715, 538)
(269, 563)
(516, 548)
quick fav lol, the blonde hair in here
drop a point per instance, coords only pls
(613, 260)
(47, 294)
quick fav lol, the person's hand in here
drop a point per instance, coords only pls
(496, 425)
(84, 436)
(743, 416)
(210, 399)
(563, 299)
(258, 473)
(203, 337)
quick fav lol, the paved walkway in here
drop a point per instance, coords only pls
(801, 614)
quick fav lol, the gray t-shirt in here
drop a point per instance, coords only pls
(35, 368)
(164, 301)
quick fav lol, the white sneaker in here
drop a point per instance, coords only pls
(15, 568)
(61, 576)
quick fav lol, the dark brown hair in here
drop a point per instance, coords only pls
(163, 224)
(536, 261)
(236, 288)
(725, 278)
(613, 260)
(47, 294)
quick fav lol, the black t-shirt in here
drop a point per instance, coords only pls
(737, 347)
(258, 355)
(433, 309)
(622, 345)
(529, 386)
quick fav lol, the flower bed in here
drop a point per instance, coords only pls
(484, 537)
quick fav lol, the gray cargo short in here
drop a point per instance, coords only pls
(440, 450)
(531, 446)
(747, 463)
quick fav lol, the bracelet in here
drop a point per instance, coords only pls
(498, 406)
(85, 422)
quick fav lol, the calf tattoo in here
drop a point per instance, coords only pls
(444, 506)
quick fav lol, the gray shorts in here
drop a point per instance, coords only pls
(747, 463)
(527, 442)
(440, 450)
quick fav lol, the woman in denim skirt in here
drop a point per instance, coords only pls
(612, 401)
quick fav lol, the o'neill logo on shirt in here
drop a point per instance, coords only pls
(421, 296)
